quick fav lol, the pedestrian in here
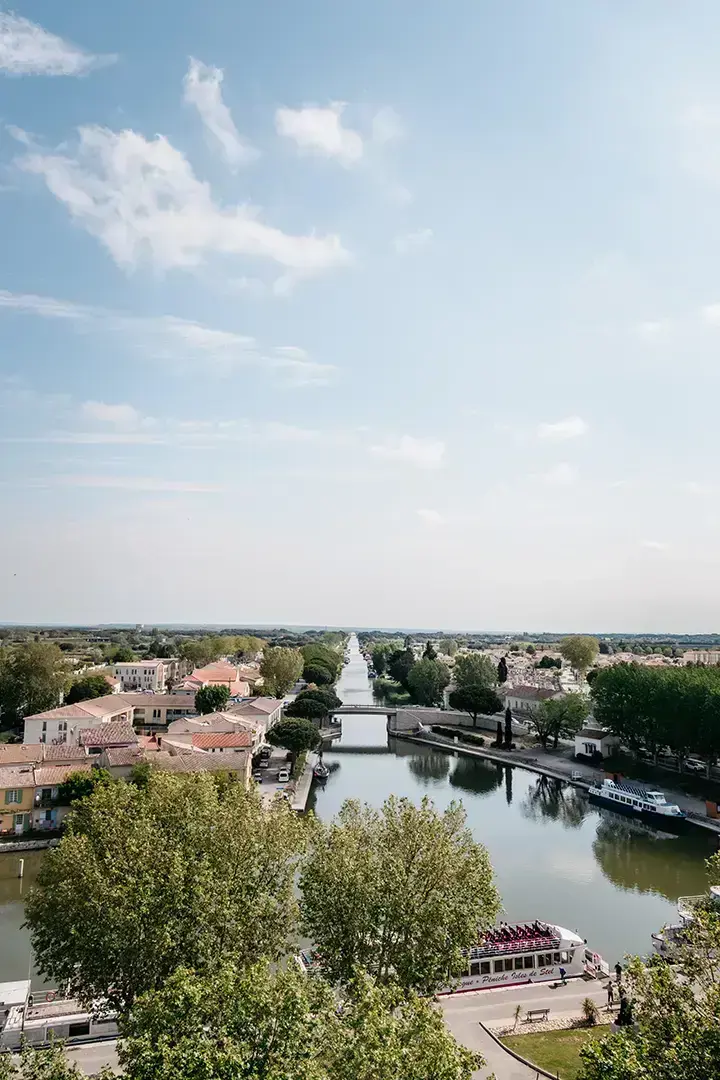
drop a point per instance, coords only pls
(563, 973)
(610, 994)
(618, 972)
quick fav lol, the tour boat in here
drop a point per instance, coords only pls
(321, 771)
(515, 955)
(639, 802)
(40, 1017)
(671, 937)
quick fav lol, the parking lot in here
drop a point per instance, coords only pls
(267, 772)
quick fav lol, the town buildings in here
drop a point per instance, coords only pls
(524, 700)
(148, 712)
(151, 675)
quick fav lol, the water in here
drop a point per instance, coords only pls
(556, 857)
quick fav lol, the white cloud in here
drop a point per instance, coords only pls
(654, 545)
(202, 88)
(570, 428)
(120, 416)
(386, 126)
(178, 341)
(561, 475)
(412, 241)
(423, 453)
(430, 517)
(28, 49)
(320, 131)
(142, 200)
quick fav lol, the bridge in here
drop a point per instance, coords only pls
(375, 710)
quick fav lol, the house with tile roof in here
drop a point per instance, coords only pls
(524, 700)
(17, 790)
(107, 736)
(220, 673)
(227, 722)
(49, 810)
(64, 724)
(264, 710)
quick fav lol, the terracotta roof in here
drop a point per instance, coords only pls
(120, 734)
(207, 740)
(108, 705)
(265, 705)
(124, 755)
(533, 693)
(20, 753)
(52, 775)
(159, 701)
(17, 776)
(64, 752)
(193, 763)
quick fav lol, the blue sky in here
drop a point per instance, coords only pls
(385, 313)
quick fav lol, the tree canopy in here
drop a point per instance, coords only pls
(307, 707)
(213, 698)
(426, 681)
(400, 664)
(32, 678)
(280, 669)
(580, 651)
(147, 879)
(472, 669)
(81, 784)
(475, 699)
(294, 734)
(321, 663)
(558, 717)
(89, 686)
(398, 891)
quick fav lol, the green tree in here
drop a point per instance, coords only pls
(247, 646)
(379, 656)
(120, 654)
(502, 670)
(426, 681)
(580, 651)
(472, 669)
(448, 646)
(280, 669)
(477, 700)
(325, 694)
(319, 674)
(90, 686)
(81, 784)
(294, 734)
(430, 652)
(556, 717)
(261, 1025)
(324, 656)
(308, 708)
(32, 678)
(147, 879)
(548, 662)
(212, 698)
(399, 891)
(400, 664)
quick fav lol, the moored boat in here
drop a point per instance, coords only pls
(672, 937)
(636, 801)
(321, 771)
(40, 1017)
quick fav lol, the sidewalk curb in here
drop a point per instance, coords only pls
(518, 1057)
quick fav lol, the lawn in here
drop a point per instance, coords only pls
(556, 1051)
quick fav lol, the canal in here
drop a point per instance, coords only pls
(556, 857)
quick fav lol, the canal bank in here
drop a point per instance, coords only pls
(556, 857)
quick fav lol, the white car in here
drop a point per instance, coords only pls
(283, 776)
(695, 766)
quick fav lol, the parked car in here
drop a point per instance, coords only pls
(695, 766)
(265, 752)
(283, 776)
(258, 776)
(264, 763)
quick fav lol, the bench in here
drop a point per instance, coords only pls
(536, 1014)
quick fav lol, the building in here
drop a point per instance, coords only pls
(264, 710)
(120, 762)
(64, 724)
(218, 674)
(154, 713)
(217, 742)
(106, 736)
(17, 797)
(48, 809)
(592, 741)
(143, 675)
(524, 700)
(185, 731)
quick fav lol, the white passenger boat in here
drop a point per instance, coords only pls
(44, 1015)
(673, 936)
(636, 801)
(518, 954)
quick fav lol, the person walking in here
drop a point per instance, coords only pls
(618, 972)
(610, 995)
(563, 973)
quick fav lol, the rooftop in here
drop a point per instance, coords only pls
(52, 775)
(209, 740)
(532, 693)
(95, 708)
(260, 704)
(109, 735)
(17, 776)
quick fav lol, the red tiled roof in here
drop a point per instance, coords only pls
(208, 740)
(17, 776)
(533, 693)
(20, 753)
(260, 704)
(52, 775)
(120, 734)
(64, 752)
(124, 755)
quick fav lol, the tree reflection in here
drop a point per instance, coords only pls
(552, 799)
(634, 856)
(477, 776)
(508, 784)
(429, 768)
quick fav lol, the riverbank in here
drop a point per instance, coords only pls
(556, 767)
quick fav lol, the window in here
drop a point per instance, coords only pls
(556, 958)
(497, 966)
(528, 961)
(48, 815)
(13, 795)
(79, 1029)
(485, 967)
(518, 963)
(545, 960)
(475, 968)
(46, 793)
(566, 957)
(508, 964)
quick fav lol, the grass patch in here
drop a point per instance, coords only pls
(462, 733)
(556, 1051)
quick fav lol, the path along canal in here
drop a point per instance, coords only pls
(556, 857)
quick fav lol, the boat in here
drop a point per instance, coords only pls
(672, 937)
(636, 801)
(42, 1016)
(321, 771)
(515, 955)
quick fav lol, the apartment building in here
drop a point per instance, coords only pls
(148, 712)
(142, 675)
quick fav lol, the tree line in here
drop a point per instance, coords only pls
(142, 905)
(656, 708)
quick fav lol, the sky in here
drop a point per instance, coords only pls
(380, 313)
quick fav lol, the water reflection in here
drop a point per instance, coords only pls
(429, 768)
(508, 785)
(476, 776)
(549, 799)
(635, 857)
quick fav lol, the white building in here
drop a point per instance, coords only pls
(524, 700)
(64, 724)
(142, 675)
(592, 740)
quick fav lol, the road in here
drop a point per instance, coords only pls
(91, 1057)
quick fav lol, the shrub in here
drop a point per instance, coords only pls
(590, 1011)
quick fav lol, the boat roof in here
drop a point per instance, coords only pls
(14, 993)
(524, 937)
(634, 788)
